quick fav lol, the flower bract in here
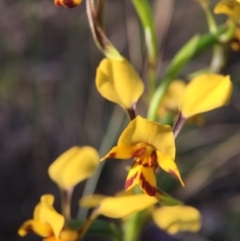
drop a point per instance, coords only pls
(118, 81)
(151, 145)
(204, 93)
(74, 166)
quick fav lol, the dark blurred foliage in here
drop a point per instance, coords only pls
(48, 103)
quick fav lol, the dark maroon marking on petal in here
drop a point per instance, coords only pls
(130, 180)
(139, 152)
(112, 155)
(69, 3)
(150, 190)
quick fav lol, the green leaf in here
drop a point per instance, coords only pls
(97, 228)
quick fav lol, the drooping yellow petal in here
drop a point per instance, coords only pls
(126, 152)
(67, 3)
(229, 7)
(168, 165)
(118, 207)
(73, 166)
(50, 216)
(205, 92)
(40, 228)
(171, 98)
(47, 199)
(178, 218)
(117, 81)
(141, 130)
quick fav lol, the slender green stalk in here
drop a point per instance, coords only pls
(145, 14)
(112, 131)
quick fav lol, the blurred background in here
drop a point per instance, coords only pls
(49, 103)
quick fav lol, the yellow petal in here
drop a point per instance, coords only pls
(126, 152)
(47, 199)
(69, 235)
(177, 218)
(205, 92)
(45, 213)
(67, 3)
(229, 7)
(171, 99)
(143, 176)
(41, 229)
(73, 166)
(141, 130)
(118, 207)
(117, 81)
(91, 201)
(55, 220)
(168, 165)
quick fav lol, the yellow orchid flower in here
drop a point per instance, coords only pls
(118, 81)
(229, 7)
(67, 3)
(171, 219)
(47, 222)
(151, 144)
(74, 166)
(204, 93)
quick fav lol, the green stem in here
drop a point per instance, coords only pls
(134, 226)
(108, 140)
(145, 15)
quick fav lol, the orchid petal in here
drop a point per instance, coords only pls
(168, 165)
(141, 130)
(177, 218)
(67, 3)
(118, 207)
(229, 7)
(118, 81)
(73, 166)
(205, 92)
(42, 229)
(126, 151)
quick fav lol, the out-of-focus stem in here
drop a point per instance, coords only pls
(66, 202)
(108, 140)
(86, 226)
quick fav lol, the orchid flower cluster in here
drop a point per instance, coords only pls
(148, 142)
